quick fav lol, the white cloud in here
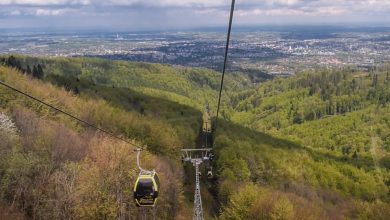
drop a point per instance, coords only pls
(15, 12)
(211, 12)
(265, 4)
(45, 2)
(49, 12)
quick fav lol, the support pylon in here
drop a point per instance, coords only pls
(198, 209)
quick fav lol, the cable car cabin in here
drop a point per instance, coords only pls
(146, 190)
(206, 123)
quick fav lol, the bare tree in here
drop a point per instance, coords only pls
(8, 134)
(6, 124)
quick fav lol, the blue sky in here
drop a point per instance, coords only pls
(135, 15)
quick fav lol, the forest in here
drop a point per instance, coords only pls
(312, 146)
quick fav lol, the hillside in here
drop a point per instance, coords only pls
(338, 125)
(54, 168)
(313, 146)
(336, 112)
(192, 86)
(139, 87)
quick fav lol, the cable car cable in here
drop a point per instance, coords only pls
(70, 115)
(225, 61)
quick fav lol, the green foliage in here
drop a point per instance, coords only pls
(194, 86)
(333, 119)
(375, 211)
(282, 210)
(254, 202)
(313, 146)
(37, 71)
(385, 162)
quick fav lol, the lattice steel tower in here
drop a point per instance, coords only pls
(198, 210)
(197, 157)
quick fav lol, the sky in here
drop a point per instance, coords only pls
(134, 15)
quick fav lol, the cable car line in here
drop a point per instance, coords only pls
(225, 60)
(70, 115)
(138, 163)
(206, 155)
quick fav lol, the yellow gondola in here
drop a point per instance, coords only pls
(146, 187)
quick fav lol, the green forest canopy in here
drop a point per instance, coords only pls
(317, 141)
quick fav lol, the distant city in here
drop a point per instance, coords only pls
(276, 51)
